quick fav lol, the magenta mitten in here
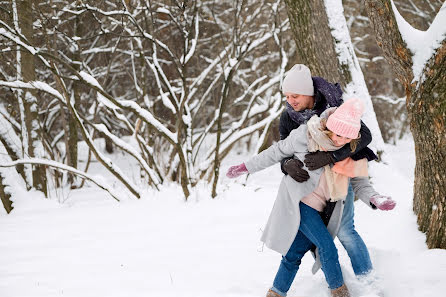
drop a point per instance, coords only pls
(236, 170)
(383, 202)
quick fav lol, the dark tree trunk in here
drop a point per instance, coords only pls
(314, 41)
(4, 196)
(24, 10)
(73, 139)
(426, 106)
(427, 114)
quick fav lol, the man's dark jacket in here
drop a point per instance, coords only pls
(328, 95)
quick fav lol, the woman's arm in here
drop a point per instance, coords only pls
(295, 142)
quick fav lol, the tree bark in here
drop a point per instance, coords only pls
(309, 25)
(5, 196)
(427, 115)
(426, 106)
(24, 10)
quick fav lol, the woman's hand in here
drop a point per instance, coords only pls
(237, 170)
(383, 202)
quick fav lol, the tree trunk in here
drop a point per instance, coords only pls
(314, 25)
(427, 115)
(309, 24)
(426, 106)
(35, 148)
(5, 196)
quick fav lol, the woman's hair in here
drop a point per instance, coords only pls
(324, 129)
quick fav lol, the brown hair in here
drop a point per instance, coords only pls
(324, 129)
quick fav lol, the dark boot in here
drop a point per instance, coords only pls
(342, 291)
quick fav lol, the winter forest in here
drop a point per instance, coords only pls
(119, 120)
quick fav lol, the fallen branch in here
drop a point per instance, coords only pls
(61, 166)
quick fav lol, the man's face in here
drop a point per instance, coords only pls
(300, 102)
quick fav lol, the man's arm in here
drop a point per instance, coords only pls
(345, 151)
(319, 159)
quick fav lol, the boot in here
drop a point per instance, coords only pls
(271, 293)
(342, 291)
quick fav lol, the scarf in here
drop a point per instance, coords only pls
(300, 117)
(338, 175)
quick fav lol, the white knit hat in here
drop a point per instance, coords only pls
(298, 81)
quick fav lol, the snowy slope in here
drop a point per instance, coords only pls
(91, 245)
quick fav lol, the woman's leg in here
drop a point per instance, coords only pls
(351, 240)
(290, 264)
(312, 226)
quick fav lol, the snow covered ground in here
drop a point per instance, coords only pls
(91, 245)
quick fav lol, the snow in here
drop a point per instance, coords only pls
(90, 79)
(9, 136)
(96, 180)
(162, 246)
(422, 44)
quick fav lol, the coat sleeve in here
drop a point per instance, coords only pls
(284, 130)
(345, 151)
(363, 189)
(294, 143)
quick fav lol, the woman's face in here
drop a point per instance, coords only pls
(339, 140)
(299, 102)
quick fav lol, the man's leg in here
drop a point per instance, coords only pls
(350, 239)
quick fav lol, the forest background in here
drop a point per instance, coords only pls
(174, 85)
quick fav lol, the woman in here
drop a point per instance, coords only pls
(294, 224)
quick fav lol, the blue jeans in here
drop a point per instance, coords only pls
(350, 239)
(311, 231)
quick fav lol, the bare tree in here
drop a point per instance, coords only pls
(183, 82)
(423, 78)
(31, 135)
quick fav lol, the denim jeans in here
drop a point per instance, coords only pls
(350, 239)
(311, 231)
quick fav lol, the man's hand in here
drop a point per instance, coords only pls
(318, 159)
(237, 170)
(383, 202)
(294, 169)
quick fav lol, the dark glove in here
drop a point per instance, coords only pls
(294, 169)
(318, 159)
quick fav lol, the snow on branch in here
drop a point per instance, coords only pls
(422, 44)
(184, 60)
(9, 137)
(116, 171)
(345, 52)
(130, 150)
(61, 166)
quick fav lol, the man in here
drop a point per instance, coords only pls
(307, 96)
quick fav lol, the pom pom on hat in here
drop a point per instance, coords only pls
(346, 120)
(298, 81)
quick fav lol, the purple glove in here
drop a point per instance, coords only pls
(383, 202)
(236, 170)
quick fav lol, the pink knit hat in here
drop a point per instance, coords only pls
(346, 119)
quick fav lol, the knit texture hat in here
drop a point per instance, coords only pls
(298, 81)
(346, 120)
